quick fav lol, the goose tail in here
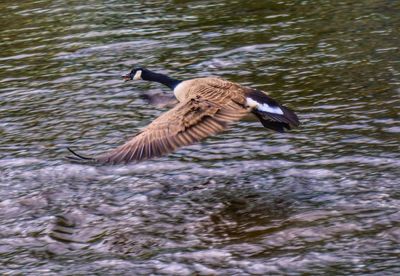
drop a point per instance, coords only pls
(271, 114)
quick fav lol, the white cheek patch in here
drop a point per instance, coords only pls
(138, 75)
(264, 107)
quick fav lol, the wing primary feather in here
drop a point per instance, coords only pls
(120, 156)
(184, 138)
(124, 155)
(81, 157)
(148, 151)
(140, 153)
(130, 153)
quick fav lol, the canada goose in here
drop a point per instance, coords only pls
(206, 106)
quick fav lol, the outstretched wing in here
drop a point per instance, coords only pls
(185, 124)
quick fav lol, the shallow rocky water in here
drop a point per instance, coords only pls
(323, 199)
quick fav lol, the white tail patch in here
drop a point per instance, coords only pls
(264, 106)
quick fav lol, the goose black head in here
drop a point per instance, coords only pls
(136, 74)
(141, 73)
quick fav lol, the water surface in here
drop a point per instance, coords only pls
(321, 199)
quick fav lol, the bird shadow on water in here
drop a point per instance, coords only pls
(245, 212)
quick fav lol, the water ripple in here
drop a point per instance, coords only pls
(320, 200)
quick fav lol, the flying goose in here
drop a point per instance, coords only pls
(206, 106)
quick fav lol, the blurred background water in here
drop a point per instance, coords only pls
(321, 199)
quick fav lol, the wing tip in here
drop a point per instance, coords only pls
(78, 158)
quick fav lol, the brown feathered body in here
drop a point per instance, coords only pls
(206, 106)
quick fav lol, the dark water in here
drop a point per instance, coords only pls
(322, 199)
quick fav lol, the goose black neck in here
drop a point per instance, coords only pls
(161, 78)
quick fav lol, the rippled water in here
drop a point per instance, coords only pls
(321, 199)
